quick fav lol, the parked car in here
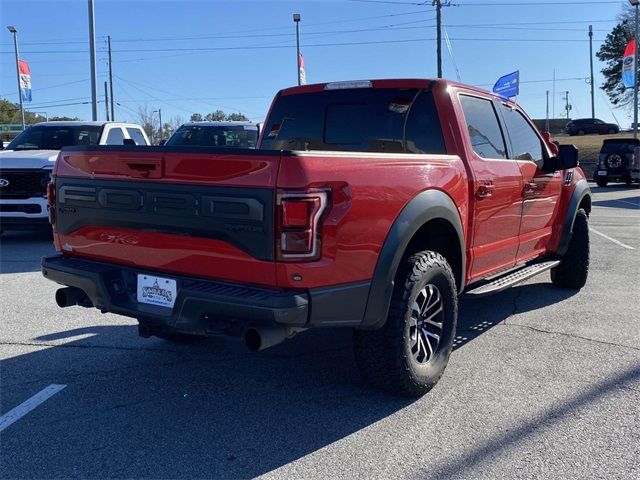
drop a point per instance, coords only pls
(618, 161)
(215, 134)
(27, 162)
(368, 205)
(586, 126)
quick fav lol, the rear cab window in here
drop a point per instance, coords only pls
(485, 133)
(387, 120)
(204, 135)
(137, 135)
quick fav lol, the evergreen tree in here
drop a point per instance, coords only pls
(611, 53)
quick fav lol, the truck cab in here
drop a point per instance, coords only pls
(27, 162)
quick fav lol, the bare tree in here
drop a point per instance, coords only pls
(147, 118)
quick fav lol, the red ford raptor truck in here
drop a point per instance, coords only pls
(368, 205)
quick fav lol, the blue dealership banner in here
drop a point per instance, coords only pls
(628, 64)
(509, 85)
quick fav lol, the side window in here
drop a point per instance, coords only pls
(115, 137)
(136, 135)
(525, 142)
(484, 129)
(422, 132)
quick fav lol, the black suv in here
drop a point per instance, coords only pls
(618, 161)
(583, 126)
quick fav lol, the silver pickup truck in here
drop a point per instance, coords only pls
(26, 164)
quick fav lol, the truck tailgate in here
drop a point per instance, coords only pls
(201, 212)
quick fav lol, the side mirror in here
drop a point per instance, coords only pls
(567, 158)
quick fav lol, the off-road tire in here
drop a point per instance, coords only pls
(574, 267)
(384, 356)
(602, 182)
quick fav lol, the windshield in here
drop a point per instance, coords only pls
(239, 136)
(362, 120)
(40, 137)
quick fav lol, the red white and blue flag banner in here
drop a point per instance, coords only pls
(303, 74)
(628, 64)
(25, 80)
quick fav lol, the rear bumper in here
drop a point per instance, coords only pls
(206, 306)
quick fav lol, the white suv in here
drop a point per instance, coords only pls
(26, 164)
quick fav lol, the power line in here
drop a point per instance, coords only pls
(487, 4)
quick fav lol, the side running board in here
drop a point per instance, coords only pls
(512, 278)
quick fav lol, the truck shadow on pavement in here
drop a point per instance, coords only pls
(22, 251)
(145, 408)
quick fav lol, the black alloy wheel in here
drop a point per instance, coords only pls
(425, 324)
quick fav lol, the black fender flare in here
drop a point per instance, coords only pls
(426, 206)
(580, 192)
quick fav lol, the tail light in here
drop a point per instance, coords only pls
(51, 201)
(299, 224)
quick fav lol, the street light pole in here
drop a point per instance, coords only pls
(546, 129)
(13, 30)
(296, 19)
(92, 52)
(593, 104)
(635, 74)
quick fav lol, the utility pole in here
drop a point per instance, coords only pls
(92, 52)
(160, 119)
(438, 5)
(13, 30)
(593, 103)
(553, 97)
(547, 122)
(106, 101)
(113, 115)
(567, 107)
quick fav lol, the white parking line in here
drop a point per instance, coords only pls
(635, 204)
(624, 245)
(25, 407)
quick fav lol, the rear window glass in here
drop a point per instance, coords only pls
(360, 120)
(236, 136)
(137, 136)
(619, 146)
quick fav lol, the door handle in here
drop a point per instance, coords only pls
(485, 191)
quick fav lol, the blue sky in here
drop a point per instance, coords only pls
(199, 56)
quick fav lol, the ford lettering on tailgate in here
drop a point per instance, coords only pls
(240, 216)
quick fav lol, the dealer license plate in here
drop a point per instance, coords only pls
(602, 173)
(157, 290)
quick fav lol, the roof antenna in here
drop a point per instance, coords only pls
(450, 48)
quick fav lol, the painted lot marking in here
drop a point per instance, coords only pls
(25, 407)
(617, 242)
(635, 204)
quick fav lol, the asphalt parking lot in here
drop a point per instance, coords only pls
(543, 383)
